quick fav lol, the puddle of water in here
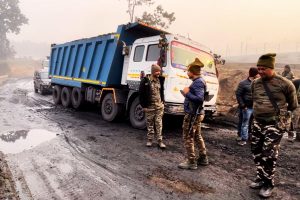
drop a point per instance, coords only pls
(18, 141)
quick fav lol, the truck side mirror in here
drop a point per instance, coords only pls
(125, 49)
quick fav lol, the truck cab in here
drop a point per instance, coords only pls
(181, 51)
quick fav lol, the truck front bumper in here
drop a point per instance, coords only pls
(178, 109)
(174, 109)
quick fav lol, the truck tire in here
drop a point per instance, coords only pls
(56, 94)
(42, 91)
(76, 98)
(66, 97)
(35, 89)
(110, 110)
(137, 116)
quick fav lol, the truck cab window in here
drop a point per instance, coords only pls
(153, 52)
(138, 53)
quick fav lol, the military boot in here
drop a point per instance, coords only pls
(266, 191)
(161, 144)
(203, 160)
(257, 184)
(149, 143)
(188, 165)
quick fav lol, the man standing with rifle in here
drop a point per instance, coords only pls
(194, 114)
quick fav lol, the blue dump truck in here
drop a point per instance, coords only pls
(107, 69)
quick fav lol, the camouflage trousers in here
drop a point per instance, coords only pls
(265, 144)
(295, 122)
(154, 123)
(190, 138)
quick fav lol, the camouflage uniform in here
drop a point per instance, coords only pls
(193, 137)
(296, 114)
(155, 111)
(289, 75)
(266, 135)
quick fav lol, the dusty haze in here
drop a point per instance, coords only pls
(228, 27)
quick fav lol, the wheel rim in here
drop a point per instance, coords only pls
(139, 113)
(108, 106)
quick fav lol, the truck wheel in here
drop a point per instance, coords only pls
(110, 110)
(76, 98)
(42, 91)
(35, 89)
(66, 96)
(56, 94)
(137, 116)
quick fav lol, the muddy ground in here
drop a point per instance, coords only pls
(58, 153)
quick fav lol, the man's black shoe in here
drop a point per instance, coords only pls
(266, 191)
(256, 184)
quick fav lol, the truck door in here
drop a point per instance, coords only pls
(143, 56)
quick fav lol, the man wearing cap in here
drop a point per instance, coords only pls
(194, 114)
(244, 98)
(151, 93)
(270, 120)
(287, 73)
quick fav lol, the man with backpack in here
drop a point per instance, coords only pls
(194, 114)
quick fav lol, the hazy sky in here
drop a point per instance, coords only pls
(229, 27)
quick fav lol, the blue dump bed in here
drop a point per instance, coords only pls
(97, 60)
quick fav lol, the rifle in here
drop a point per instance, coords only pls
(194, 118)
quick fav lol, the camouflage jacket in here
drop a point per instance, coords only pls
(149, 95)
(289, 75)
(296, 82)
(283, 91)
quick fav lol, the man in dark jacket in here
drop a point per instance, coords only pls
(244, 98)
(194, 114)
(151, 93)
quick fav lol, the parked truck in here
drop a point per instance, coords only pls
(107, 70)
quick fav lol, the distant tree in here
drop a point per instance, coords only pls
(159, 17)
(11, 19)
(132, 4)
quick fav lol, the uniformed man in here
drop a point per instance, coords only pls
(151, 93)
(270, 120)
(287, 73)
(194, 114)
(295, 132)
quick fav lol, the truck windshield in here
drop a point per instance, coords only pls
(182, 55)
(44, 75)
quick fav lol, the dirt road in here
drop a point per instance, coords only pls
(58, 153)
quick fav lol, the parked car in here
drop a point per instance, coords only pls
(42, 82)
